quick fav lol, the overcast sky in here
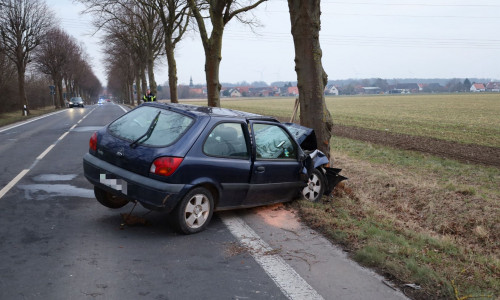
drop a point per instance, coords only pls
(359, 38)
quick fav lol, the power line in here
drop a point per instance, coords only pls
(379, 41)
(412, 4)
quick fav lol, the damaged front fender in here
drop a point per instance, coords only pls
(314, 159)
(331, 176)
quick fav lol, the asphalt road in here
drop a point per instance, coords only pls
(58, 242)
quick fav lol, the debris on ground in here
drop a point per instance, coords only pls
(132, 220)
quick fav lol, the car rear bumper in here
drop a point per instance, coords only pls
(152, 194)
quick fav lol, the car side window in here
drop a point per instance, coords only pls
(272, 142)
(226, 140)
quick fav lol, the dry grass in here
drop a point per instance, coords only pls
(13, 117)
(469, 118)
(415, 218)
(413, 222)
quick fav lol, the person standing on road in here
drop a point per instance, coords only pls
(149, 97)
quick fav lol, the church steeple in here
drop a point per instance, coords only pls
(191, 81)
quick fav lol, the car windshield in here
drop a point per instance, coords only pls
(169, 127)
(76, 99)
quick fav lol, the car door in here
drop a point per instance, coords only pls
(276, 170)
(225, 160)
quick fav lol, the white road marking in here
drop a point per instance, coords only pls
(13, 182)
(45, 152)
(286, 278)
(62, 136)
(19, 176)
(122, 108)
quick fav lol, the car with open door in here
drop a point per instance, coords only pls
(192, 160)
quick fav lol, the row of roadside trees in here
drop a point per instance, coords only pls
(138, 32)
(32, 42)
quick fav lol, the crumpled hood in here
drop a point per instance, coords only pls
(303, 135)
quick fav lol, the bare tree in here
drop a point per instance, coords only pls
(121, 70)
(53, 56)
(174, 15)
(220, 12)
(23, 25)
(7, 83)
(69, 70)
(140, 20)
(311, 77)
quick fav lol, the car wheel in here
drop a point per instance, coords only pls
(109, 200)
(194, 212)
(315, 186)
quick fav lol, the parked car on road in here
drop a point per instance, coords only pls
(192, 160)
(76, 102)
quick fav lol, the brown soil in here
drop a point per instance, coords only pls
(463, 152)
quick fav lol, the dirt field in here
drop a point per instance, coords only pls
(466, 153)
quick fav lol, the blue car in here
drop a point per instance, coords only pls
(192, 160)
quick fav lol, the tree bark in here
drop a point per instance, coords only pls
(23, 102)
(59, 88)
(172, 73)
(213, 57)
(144, 81)
(221, 12)
(311, 77)
(138, 88)
(151, 73)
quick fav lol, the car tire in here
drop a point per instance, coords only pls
(109, 200)
(194, 211)
(315, 186)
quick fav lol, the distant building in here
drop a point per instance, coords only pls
(292, 91)
(477, 87)
(407, 88)
(331, 90)
(492, 87)
(234, 93)
(371, 90)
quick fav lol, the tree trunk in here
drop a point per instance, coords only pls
(138, 88)
(144, 81)
(130, 98)
(55, 98)
(66, 84)
(151, 74)
(60, 93)
(23, 102)
(311, 78)
(213, 57)
(172, 73)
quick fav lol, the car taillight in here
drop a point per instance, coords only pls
(93, 142)
(165, 166)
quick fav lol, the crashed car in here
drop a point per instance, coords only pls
(193, 160)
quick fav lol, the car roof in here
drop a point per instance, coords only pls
(212, 111)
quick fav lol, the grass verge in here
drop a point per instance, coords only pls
(416, 218)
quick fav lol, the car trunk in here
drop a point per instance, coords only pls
(118, 152)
